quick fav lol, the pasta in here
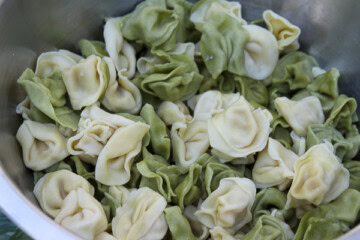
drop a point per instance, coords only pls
(116, 158)
(51, 62)
(86, 81)
(224, 129)
(188, 122)
(82, 214)
(42, 144)
(121, 95)
(311, 110)
(286, 33)
(141, 217)
(274, 166)
(119, 50)
(319, 178)
(204, 10)
(52, 189)
(228, 206)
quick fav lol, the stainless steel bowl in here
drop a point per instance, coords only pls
(330, 32)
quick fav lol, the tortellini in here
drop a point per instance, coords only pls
(172, 76)
(261, 52)
(173, 112)
(274, 166)
(269, 227)
(86, 81)
(228, 206)
(47, 99)
(96, 127)
(141, 217)
(121, 95)
(52, 189)
(120, 51)
(309, 107)
(319, 178)
(51, 62)
(116, 158)
(329, 221)
(82, 214)
(205, 9)
(239, 119)
(189, 142)
(286, 33)
(153, 24)
(42, 144)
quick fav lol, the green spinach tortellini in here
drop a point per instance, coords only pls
(173, 76)
(331, 220)
(48, 96)
(151, 23)
(269, 227)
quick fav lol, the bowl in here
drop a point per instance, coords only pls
(330, 33)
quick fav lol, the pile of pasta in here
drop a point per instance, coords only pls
(188, 122)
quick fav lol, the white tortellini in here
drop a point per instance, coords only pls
(173, 112)
(299, 144)
(82, 214)
(211, 102)
(86, 81)
(206, 9)
(141, 217)
(286, 33)
(199, 230)
(42, 144)
(274, 166)
(189, 142)
(50, 62)
(116, 158)
(309, 107)
(96, 127)
(121, 95)
(229, 206)
(120, 51)
(52, 189)
(261, 52)
(239, 130)
(319, 178)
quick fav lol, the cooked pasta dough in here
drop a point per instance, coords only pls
(82, 214)
(86, 81)
(141, 217)
(52, 189)
(42, 144)
(239, 119)
(228, 206)
(309, 107)
(274, 166)
(319, 178)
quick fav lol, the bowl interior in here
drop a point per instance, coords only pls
(330, 33)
